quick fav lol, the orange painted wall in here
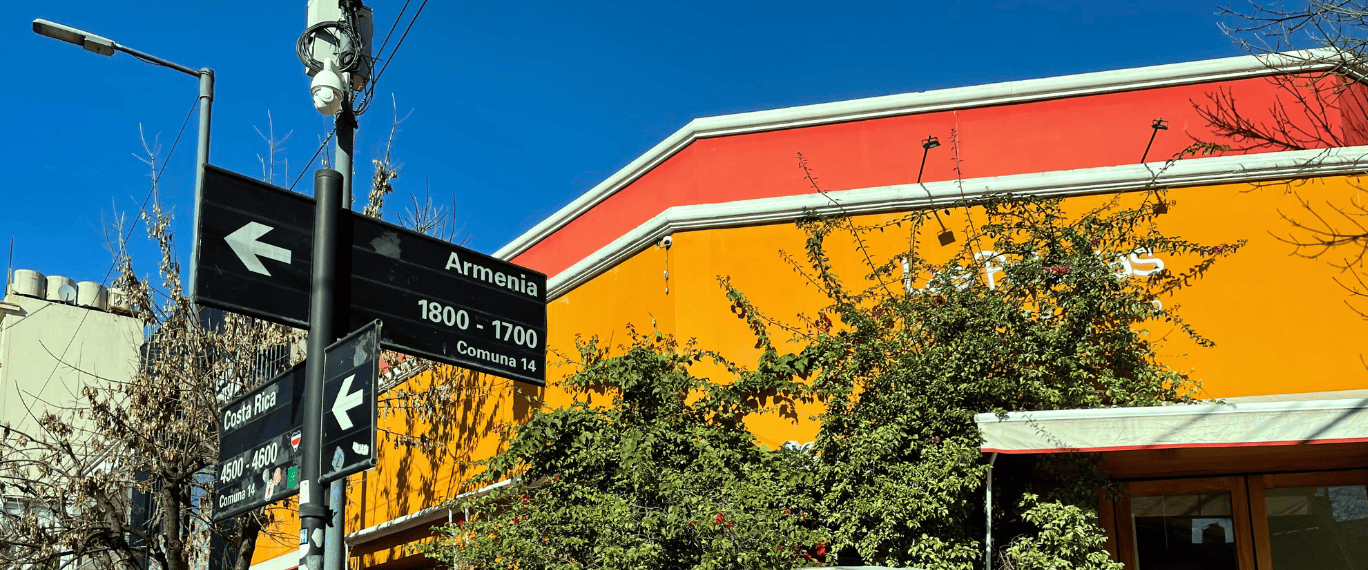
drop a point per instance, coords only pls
(1280, 321)
(424, 459)
(1043, 136)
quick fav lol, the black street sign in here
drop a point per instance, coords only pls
(349, 390)
(258, 444)
(438, 300)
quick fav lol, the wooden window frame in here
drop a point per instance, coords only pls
(1258, 505)
(1239, 510)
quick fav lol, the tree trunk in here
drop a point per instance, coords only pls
(170, 507)
(249, 527)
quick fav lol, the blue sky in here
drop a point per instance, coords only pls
(514, 108)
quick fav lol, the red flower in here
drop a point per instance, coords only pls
(804, 515)
(460, 523)
(788, 511)
(718, 519)
(821, 550)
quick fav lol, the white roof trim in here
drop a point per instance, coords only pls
(1199, 425)
(1331, 395)
(902, 197)
(282, 562)
(411, 520)
(923, 102)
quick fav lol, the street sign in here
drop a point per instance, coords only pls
(438, 300)
(349, 389)
(258, 444)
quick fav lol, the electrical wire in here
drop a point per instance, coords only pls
(369, 92)
(167, 160)
(392, 27)
(376, 77)
(157, 178)
(345, 33)
(313, 158)
(400, 43)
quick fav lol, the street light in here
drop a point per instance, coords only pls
(105, 46)
(946, 237)
(1158, 125)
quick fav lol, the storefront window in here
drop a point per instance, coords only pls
(1184, 532)
(1325, 528)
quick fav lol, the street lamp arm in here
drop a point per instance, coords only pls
(106, 46)
(159, 61)
(103, 45)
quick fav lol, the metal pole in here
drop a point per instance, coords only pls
(988, 516)
(313, 511)
(206, 105)
(1148, 145)
(346, 140)
(334, 554)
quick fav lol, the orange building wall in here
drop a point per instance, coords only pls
(1280, 324)
(475, 413)
(1279, 321)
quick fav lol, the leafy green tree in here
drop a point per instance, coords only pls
(1028, 313)
(904, 370)
(1068, 537)
(663, 474)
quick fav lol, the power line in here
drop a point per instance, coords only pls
(400, 42)
(167, 160)
(156, 179)
(370, 91)
(392, 27)
(313, 158)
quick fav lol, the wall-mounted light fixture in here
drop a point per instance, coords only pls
(945, 236)
(1158, 125)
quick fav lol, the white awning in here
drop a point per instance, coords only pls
(1178, 426)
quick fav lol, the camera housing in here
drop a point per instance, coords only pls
(327, 89)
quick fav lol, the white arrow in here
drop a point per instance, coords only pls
(245, 245)
(346, 402)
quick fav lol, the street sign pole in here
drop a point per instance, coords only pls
(337, 490)
(313, 510)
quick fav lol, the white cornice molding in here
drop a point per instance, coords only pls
(903, 197)
(1169, 75)
(282, 562)
(423, 516)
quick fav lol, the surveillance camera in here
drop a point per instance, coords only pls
(666, 242)
(326, 88)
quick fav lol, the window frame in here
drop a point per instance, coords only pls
(1258, 506)
(1239, 510)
